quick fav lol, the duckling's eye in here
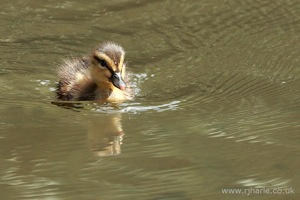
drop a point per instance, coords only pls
(102, 62)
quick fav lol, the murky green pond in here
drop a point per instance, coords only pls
(217, 102)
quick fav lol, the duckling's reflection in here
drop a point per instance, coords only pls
(105, 134)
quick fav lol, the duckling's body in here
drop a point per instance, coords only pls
(100, 76)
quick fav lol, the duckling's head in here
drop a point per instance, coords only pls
(108, 66)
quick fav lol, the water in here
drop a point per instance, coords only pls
(217, 101)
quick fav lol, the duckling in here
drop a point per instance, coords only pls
(99, 76)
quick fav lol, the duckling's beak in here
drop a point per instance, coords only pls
(117, 80)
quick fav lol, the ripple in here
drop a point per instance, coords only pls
(271, 183)
(28, 185)
(137, 108)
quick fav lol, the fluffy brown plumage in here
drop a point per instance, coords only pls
(99, 76)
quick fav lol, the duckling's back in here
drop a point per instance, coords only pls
(75, 81)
